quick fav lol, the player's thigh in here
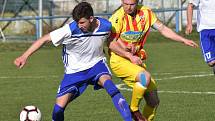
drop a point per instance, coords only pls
(126, 70)
(69, 93)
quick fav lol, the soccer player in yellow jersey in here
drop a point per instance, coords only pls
(130, 27)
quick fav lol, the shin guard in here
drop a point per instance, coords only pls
(118, 100)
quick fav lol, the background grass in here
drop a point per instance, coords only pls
(177, 68)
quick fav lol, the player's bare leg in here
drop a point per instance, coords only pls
(214, 69)
(212, 64)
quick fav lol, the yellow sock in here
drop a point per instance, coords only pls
(137, 95)
(149, 112)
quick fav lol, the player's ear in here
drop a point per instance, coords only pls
(91, 18)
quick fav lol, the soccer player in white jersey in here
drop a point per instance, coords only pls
(83, 58)
(205, 26)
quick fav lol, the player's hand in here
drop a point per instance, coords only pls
(20, 61)
(191, 43)
(142, 54)
(136, 60)
(131, 48)
(189, 29)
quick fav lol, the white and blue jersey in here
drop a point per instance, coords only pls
(206, 27)
(205, 14)
(83, 56)
(81, 50)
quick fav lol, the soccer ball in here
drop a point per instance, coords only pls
(30, 113)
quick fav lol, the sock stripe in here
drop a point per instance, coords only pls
(115, 93)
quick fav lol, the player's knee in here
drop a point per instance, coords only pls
(144, 79)
(104, 78)
(58, 109)
(211, 64)
(152, 98)
(110, 87)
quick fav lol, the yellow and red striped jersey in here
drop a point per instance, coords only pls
(132, 29)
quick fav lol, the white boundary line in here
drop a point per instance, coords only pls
(171, 73)
(27, 77)
(120, 86)
(201, 74)
(186, 76)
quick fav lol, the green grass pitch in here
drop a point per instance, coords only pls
(186, 84)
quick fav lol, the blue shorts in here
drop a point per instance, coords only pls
(207, 41)
(76, 83)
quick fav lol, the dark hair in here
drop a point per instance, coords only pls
(82, 10)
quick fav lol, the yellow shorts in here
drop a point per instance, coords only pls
(128, 71)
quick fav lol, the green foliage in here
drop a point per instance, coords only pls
(182, 76)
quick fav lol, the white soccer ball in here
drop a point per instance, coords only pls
(30, 113)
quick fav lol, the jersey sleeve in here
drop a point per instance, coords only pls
(59, 35)
(195, 2)
(116, 21)
(153, 17)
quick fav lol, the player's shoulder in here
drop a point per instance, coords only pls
(104, 21)
(105, 25)
(196, 2)
(73, 26)
(117, 15)
(146, 10)
(119, 12)
(141, 7)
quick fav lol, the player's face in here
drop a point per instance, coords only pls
(85, 24)
(129, 6)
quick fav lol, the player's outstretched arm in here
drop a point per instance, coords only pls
(189, 27)
(169, 33)
(21, 60)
